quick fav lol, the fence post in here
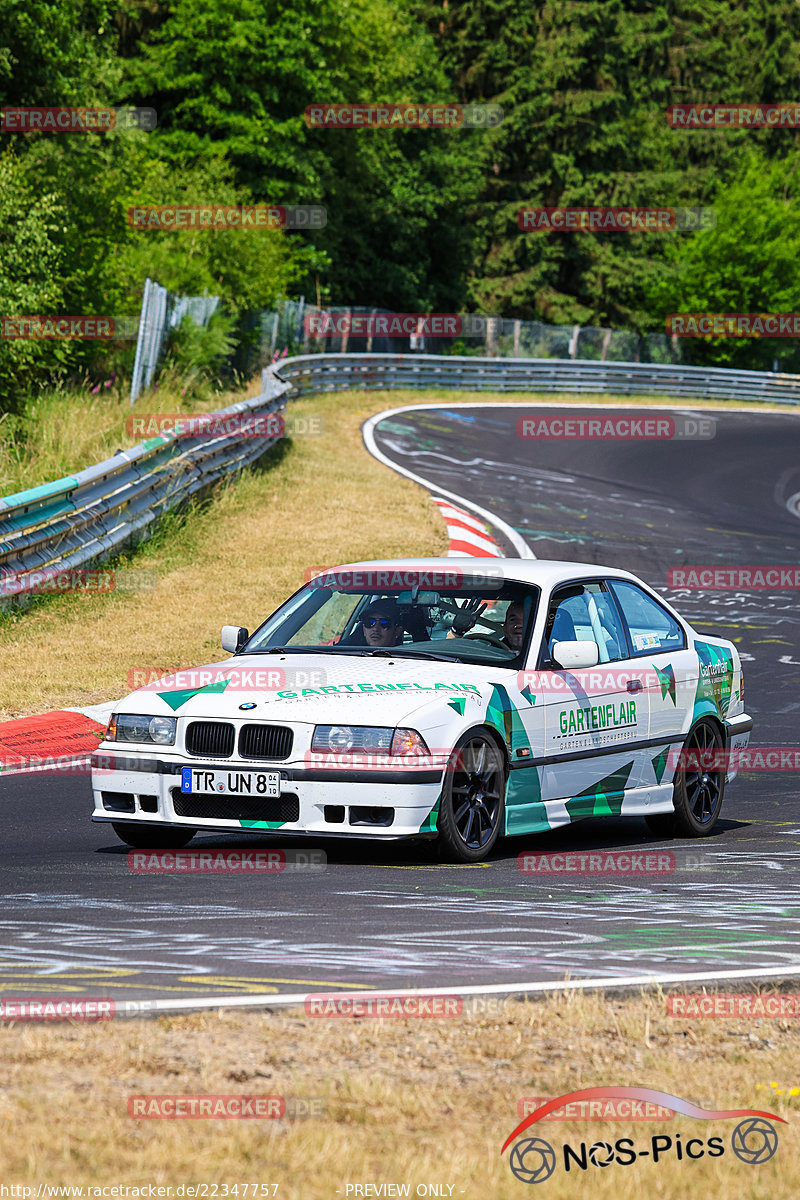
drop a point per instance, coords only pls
(136, 377)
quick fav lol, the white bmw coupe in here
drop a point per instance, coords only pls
(462, 700)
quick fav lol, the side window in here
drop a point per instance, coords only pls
(651, 627)
(584, 612)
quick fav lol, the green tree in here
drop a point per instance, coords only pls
(748, 263)
(239, 76)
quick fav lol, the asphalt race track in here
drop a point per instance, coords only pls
(76, 921)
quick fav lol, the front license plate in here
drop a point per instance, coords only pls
(232, 783)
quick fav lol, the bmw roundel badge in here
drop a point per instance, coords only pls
(247, 705)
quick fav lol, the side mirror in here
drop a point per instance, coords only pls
(575, 656)
(233, 637)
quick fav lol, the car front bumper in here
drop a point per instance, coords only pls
(146, 789)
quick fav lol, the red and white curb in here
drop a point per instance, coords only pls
(469, 537)
(52, 741)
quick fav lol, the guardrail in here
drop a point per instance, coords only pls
(334, 372)
(88, 516)
(95, 513)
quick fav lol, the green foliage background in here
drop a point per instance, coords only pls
(417, 220)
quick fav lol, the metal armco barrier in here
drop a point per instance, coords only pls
(333, 372)
(95, 513)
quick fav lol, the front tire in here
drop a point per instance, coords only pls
(158, 837)
(472, 808)
(698, 793)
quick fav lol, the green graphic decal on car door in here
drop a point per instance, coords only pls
(602, 799)
(659, 764)
(715, 679)
(525, 812)
(666, 679)
(502, 715)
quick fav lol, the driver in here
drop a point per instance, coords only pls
(382, 624)
(513, 622)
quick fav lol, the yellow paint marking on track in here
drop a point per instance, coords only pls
(432, 867)
(232, 980)
(48, 988)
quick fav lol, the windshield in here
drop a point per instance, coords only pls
(465, 618)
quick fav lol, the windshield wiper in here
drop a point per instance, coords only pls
(311, 650)
(284, 650)
(398, 651)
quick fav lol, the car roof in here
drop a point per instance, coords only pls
(546, 572)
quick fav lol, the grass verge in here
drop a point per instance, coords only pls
(405, 1101)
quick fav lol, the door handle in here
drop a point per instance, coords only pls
(634, 685)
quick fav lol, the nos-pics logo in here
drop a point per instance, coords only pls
(533, 1160)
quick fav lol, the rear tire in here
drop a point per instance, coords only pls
(147, 837)
(697, 794)
(472, 809)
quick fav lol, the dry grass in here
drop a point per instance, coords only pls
(62, 431)
(406, 1101)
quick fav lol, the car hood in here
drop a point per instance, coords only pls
(314, 688)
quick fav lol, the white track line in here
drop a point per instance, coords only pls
(368, 433)
(134, 1008)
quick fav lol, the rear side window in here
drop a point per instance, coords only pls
(651, 627)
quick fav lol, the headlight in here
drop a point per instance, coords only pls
(377, 738)
(344, 738)
(127, 727)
